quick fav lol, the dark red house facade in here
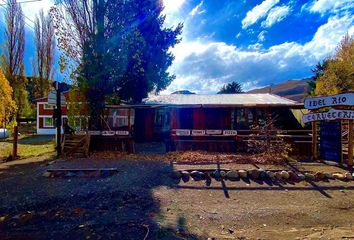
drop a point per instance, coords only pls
(209, 119)
(182, 121)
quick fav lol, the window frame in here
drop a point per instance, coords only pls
(45, 106)
(44, 122)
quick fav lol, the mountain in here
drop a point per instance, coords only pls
(292, 89)
(185, 92)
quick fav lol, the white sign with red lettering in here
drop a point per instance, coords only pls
(108, 133)
(330, 115)
(198, 132)
(213, 132)
(95, 133)
(230, 133)
(122, 133)
(80, 133)
(183, 132)
(344, 99)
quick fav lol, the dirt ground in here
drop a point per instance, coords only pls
(142, 201)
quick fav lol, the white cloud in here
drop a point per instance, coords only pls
(217, 63)
(332, 6)
(276, 15)
(328, 35)
(196, 9)
(261, 36)
(256, 46)
(258, 12)
(172, 6)
(173, 11)
(203, 67)
(31, 9)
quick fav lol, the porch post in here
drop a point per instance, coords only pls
(171, 144)
(350, 144)
(314, 141)
(15, 142)
(268, 126)
(129, 123)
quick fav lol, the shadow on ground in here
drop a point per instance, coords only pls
(31, 139)
(117, 207)
(36, 139)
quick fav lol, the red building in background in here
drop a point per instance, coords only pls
(45, 112)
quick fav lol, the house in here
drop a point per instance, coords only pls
(208, 122)
(163, 114)
(45, 113)
(117, 119)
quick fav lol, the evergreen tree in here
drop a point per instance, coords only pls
(148, 55)
(230, 88)
(318, 72)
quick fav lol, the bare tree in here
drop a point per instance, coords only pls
(75, 25)
(14, 40)
(45, 49)
(13, 53)
(79, 26)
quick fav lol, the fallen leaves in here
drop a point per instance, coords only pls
(193, 157)
(79, 211)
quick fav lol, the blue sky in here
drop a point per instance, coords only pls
(255, 42)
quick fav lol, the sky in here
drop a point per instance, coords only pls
(254, 42)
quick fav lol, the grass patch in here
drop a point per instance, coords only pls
(28, 146)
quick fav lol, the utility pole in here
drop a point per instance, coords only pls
(14, 148)
(58, 116)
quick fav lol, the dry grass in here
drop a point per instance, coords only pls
(28, 146)
(197, 157)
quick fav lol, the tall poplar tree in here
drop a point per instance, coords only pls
(12, 58)
(43, 66)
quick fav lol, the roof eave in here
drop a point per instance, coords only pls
(291, 105)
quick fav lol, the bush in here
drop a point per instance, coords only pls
(266, 140)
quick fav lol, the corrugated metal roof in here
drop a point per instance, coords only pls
(243, 99)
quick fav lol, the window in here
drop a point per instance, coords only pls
(215, 118)
(76, 123)
(250, 118)
(121, 121)
(48, 122)
(261, 117)
(241, 123)
(162, 118)
(118, 118)
(185, 118)
(48, 106)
